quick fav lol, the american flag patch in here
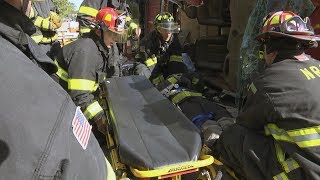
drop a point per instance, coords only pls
(81, 128)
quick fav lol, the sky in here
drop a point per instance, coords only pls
(77, 3)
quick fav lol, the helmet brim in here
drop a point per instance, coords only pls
(261, 37)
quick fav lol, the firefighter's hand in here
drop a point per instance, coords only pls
(102, 124)
(184, 81)
(55, 19)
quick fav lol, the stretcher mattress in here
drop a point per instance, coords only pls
(151, 132)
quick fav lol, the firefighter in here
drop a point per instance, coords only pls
(89, 9)
(160, 60)
(87, 13)
(160, 51)
(276, 135)
(47, 21)
(86, 62)
(37, 138)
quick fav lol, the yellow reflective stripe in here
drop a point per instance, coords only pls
(133, 25)
(291, 165)
(61, 72)
(184, 94)
(37, 38)
(288, 165)
(286, 17)
(304, 138)
(38, 21)
(158, 79)
(92, 110)
(128, 18)
(277, 133)
(172, 80)
(275, 20)
(281, 176)
(307, 144)
(194, 80)
(159, 18)
(49, 39)
(85, 30)
(151, 61)
(46, 24)
(176, 58)
(304, 131)
(88, 11)
(81, 84)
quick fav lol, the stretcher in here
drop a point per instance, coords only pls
(150, 138)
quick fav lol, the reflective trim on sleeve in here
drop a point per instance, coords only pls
(281, 176)
(92, 110)
(84, 30)
(82, 85)
(184, 94)
(62, 74)
(133, 25)
(88, 11)
(172, 80)
(175, 58)
(38, 21)
(43, 23)
(151, 61)
(277, 133)
(158, 79)
(37, 38)
(304, 138)
(49, 39)
(287, 165)
(128, 18)
(46, 25)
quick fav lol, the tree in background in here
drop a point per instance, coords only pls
(66, 8)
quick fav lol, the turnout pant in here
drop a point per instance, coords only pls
(249, 154)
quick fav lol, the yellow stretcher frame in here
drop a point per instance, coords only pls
(204, 161)
(173, 172)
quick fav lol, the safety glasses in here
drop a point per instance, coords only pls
(295, 25)
(121, 22)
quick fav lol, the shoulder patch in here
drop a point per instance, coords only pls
(81, 128)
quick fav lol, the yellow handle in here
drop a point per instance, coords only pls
(205, 160)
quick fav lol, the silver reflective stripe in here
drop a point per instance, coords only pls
(304, 137)
(291, 164)
(281, 176)
(307, 137)
(278, 134)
